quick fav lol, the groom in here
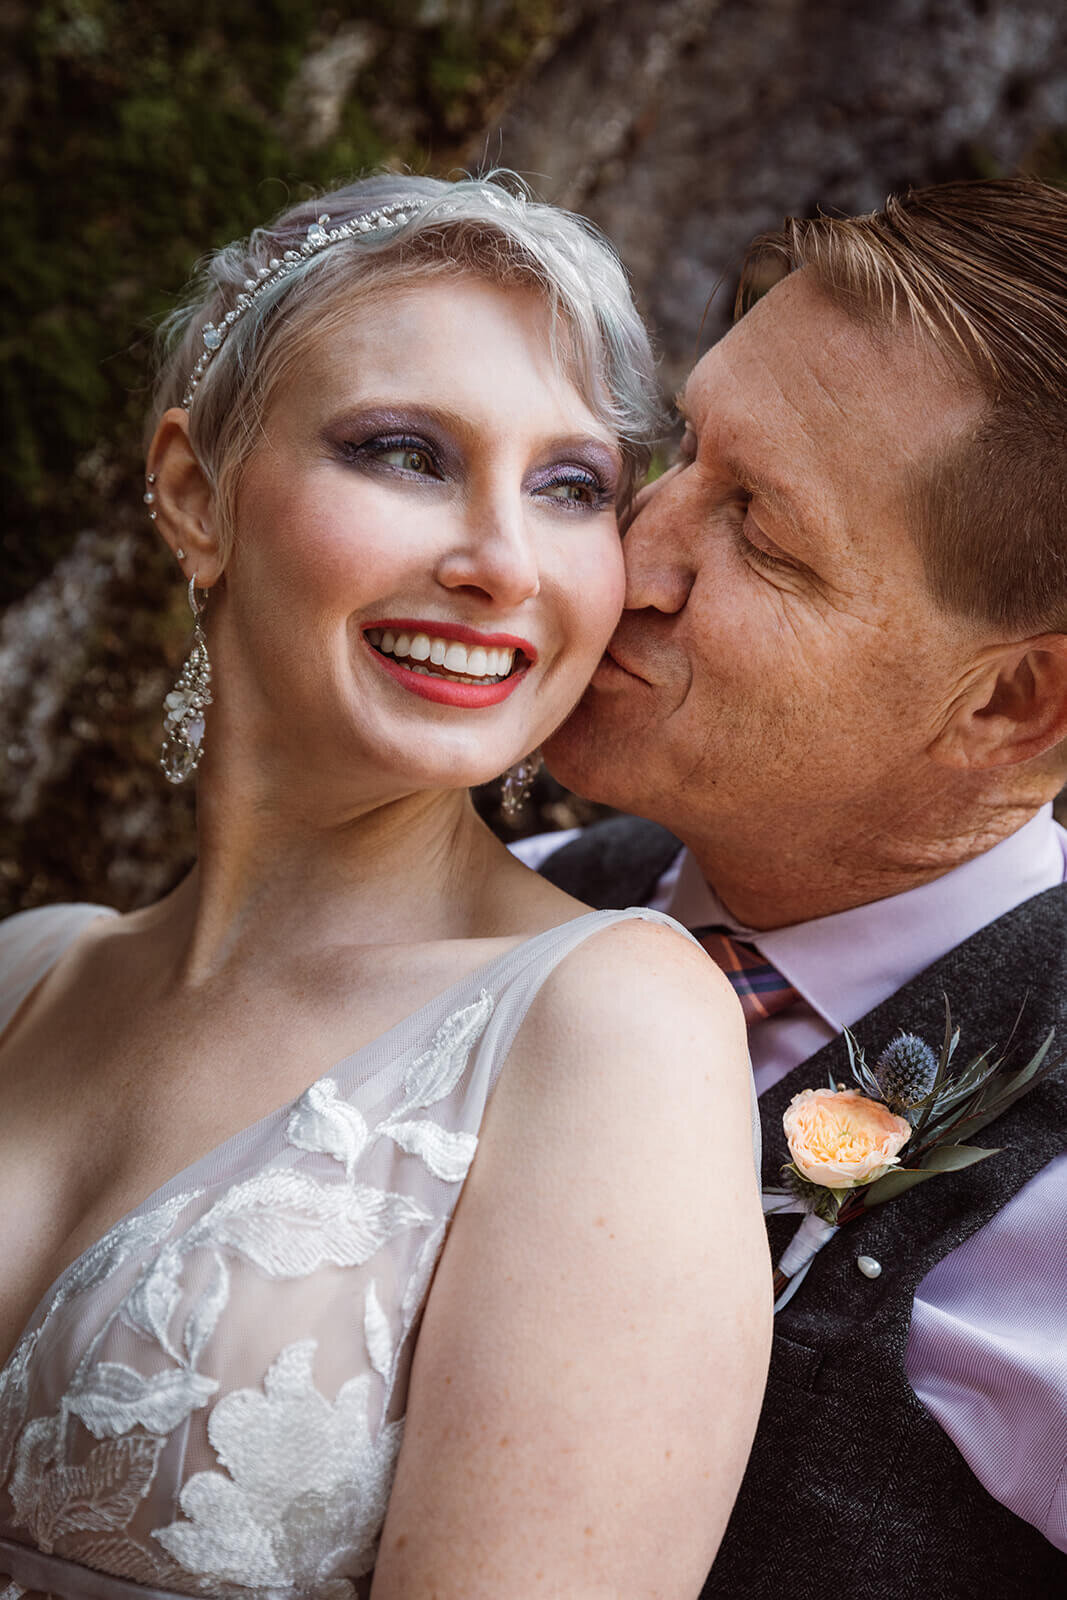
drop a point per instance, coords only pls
(841, 684)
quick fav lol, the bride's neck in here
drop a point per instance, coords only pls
(270, 876)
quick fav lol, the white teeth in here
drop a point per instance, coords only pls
(472, 665)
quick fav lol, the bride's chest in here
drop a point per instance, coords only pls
(98, 1113)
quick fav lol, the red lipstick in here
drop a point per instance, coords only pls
(446, 692)
(450, 691)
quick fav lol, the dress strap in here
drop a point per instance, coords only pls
(531, 964)
(31, 942)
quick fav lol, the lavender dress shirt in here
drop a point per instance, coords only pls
(987, 1349)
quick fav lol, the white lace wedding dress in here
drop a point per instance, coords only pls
(210, 1400)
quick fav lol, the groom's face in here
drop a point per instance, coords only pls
(781, 651)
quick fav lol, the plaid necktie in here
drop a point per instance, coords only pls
(761, 988)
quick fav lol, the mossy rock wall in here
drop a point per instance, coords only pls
(134, 136)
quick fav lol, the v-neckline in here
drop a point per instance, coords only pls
(184, 1177)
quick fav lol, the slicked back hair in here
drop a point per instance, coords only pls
(980, 270)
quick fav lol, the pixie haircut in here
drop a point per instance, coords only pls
(979, 269)
(472, 228)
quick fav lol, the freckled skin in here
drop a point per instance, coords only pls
(790, 673)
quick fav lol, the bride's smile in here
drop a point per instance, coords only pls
(455, 657)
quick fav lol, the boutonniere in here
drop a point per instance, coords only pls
(907, 1119)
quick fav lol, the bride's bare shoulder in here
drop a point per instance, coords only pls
(603, 1301)
(637, 990)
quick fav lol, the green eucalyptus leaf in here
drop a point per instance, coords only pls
(946, 1048)
(946, 1158)
(954, 1157)
(896, 1182)
(971, 1124)
(1020, 1079)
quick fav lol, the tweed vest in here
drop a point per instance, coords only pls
(852, 1487)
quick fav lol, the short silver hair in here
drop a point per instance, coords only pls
(474, 227)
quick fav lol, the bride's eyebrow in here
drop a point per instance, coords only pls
(679, 406)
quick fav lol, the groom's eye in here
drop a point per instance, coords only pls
(687, 449)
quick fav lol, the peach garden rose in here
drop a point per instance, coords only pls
(840, 1138)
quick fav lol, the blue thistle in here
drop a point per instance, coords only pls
(905, 1071)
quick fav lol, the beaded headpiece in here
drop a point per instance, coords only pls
(319, 237)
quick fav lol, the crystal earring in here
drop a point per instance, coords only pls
(183, 707)
(516, 784)
(149, 495)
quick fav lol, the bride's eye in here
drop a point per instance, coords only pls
(408, 457)
(411, 456)
(576, 489)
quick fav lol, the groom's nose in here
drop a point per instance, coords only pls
(644, 495)
(659, 571)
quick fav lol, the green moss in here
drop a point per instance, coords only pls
(148, 134)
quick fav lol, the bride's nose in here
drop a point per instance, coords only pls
(492, 552)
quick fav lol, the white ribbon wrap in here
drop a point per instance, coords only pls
(802, 1248)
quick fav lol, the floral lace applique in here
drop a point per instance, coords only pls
(307, 1488)
(298, 1503)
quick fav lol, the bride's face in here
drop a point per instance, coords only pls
(426, 565)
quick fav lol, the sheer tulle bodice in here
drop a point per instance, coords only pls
(210, 1400)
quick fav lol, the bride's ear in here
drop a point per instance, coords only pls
(185, 503)
(1014, 708)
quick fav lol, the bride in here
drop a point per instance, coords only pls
(366, 1133)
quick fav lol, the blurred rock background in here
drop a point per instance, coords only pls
(135, 134)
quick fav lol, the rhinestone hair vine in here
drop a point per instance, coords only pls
(319, 237)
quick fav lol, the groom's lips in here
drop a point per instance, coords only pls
(612, 671)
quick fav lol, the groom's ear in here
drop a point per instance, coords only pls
(1012, 709)
(186, 505)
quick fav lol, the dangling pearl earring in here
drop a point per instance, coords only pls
(183, 707)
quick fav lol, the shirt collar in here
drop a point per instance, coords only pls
(845, 964)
